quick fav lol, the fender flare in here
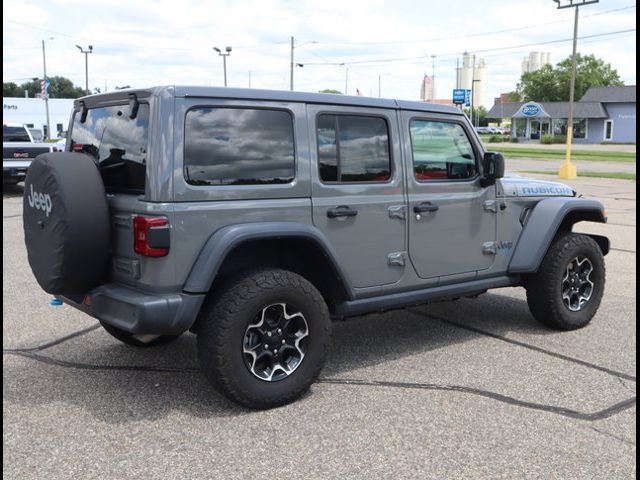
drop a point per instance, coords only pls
(542, 226)
(223, 241)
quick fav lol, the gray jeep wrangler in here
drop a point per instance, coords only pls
(253, 218)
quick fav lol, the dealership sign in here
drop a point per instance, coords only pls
(531, 110)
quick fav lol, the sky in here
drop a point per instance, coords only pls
(379, 47)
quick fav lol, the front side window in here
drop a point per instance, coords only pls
(441, 151)
(353, 149)
(117, 143)
(238, 146)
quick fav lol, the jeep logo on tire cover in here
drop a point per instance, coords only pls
(40, 201)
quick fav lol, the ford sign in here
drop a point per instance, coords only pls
(530, 110)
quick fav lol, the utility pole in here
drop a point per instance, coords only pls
(568, 170)
(346, 82)
(45, 89)
(291, 72)
(86, 65)
(473, 84)
(433, 76)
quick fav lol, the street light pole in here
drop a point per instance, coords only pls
(224, 60)
(86, 65)
(433, 76)
(568, 170)
(45, 89)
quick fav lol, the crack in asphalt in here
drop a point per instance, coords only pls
(535, 348)
(610, 411)
(611, 435)
(12, 216)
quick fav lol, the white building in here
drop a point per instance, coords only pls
(535, 61)
(427, 89)
(472, 75)
(32, 112)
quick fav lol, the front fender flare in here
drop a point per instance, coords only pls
(223, 241)
(542, 226)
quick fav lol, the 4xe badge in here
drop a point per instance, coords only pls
(40, 201)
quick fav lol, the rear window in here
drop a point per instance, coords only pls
(117, 143)
(14, 134)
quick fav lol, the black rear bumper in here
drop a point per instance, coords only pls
(139, 312)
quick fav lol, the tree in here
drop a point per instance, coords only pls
(11, 89)
(479, 116)
(330, 90)
(60, 87)
(551, 84)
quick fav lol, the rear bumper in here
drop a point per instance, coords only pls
(16, 171)
(139, 312)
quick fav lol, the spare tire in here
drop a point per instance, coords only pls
(66, 222)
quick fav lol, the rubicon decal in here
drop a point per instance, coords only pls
(40, 201)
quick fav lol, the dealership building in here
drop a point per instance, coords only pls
(32, 113)
(603, 114)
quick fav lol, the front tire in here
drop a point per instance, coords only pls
(566, 291)
(263, 339)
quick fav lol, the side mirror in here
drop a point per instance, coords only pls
(493, 166)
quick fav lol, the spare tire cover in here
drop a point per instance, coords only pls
(66, 222)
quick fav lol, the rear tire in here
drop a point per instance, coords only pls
(141, 341)
(566, 291)
(263, 339)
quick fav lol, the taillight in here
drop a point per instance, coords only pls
(151, 236)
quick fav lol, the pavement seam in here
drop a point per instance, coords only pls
(622, 250)
(565, 412)
(12, 216)
(53, 343)
(535, 348)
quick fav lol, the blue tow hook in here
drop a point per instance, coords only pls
(55, 302)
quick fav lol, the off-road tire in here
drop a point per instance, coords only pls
(223, 323)
(130, 338)
(544, 289)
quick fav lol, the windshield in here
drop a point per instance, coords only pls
(117, 143)
(15, 134)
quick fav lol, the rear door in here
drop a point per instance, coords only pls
(451, 215)
(357, 189)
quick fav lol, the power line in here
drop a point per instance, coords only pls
(549, 42)
(479, 34)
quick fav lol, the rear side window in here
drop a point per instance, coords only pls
(353, 149)
(117, 143)
(238, 146)
(441, 151)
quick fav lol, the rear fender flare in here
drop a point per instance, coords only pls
(223, 241)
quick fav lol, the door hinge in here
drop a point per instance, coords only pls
(396, 259)
(398, 211)
(490, 206)
(489, 248)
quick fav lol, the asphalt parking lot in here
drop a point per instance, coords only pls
(467, 389)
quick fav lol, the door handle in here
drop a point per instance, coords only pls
(425, 207)
(342, 211)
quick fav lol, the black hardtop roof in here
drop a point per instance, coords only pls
(277, 95)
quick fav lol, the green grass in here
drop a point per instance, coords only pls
(585, 155)
(616, 175)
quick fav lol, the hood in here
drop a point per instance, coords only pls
(517, 186)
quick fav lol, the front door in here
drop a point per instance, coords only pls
(452, 218)
(534, 133)
(358, 199)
